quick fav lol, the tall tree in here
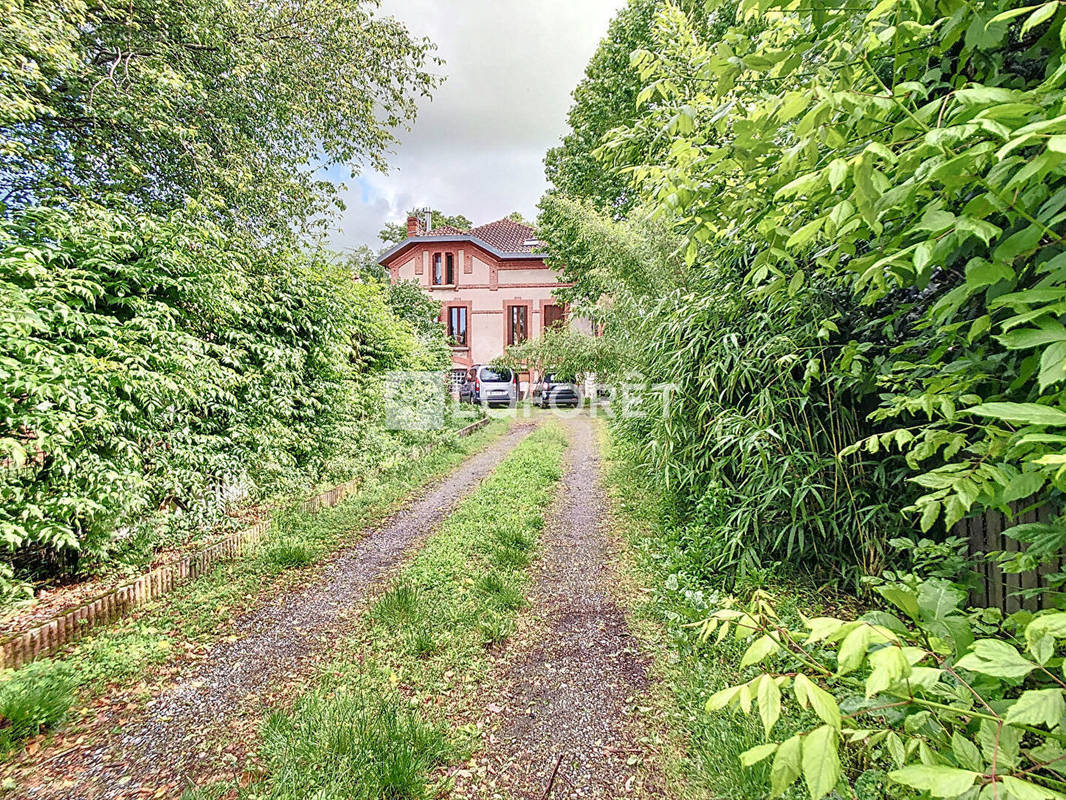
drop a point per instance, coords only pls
(396, 232)
(154, 101)
(605, 99)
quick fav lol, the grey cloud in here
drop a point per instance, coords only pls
(477, 147)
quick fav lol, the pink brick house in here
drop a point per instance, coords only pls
(492, 283)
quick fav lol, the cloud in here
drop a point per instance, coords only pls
(478, 147)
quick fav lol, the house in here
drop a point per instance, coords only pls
(492, 283)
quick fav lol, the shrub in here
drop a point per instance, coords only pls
(927, 699)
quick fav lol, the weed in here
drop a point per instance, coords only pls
(350, 745)
(501, 592)
(397, 606)
(288, 552)
(422, 642)
(34, 699)
(494, 628)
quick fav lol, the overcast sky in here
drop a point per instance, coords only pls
(478, 147)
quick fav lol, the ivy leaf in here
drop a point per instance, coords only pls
(939, 781)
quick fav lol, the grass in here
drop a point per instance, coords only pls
(379, 720)
(701, 757)
(33, 699)
(198, 613)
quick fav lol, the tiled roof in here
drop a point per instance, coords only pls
(506, 235)
(445, 230)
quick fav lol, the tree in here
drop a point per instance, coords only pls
(605, 99)
(396, 232)
(154, 101)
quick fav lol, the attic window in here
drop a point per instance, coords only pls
(532, 243)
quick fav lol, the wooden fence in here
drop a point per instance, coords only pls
(44, 638)
(999, 590)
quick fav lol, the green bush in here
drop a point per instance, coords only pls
(34, 699)
(927, 700)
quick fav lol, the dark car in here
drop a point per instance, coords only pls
(493, 386)
(555, 390)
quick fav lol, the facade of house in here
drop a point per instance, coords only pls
(491, 281)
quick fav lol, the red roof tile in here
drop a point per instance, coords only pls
(506, 235)
(446, 230)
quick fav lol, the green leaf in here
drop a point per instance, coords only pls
(787, 765)
(760, 649)
(808, 693)
(966, 753)
(1023, 485)
(758, 753)
(996, 658)
(980, 272)
(1020, 413)
(821, 762)
(1017, 789)
(769, 697)
(853, 650)
(1037, 707)
(1042, 14)
(937, 780)
(1052, 365)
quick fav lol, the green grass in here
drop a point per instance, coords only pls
(33, 699)
(378, 722)
(199, 612)
(701, 758)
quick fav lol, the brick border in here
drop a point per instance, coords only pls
(47, 637)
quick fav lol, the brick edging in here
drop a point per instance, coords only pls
(40, 640)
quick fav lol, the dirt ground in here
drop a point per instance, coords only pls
(561, 716)
(158, 751)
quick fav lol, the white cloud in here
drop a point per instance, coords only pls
(477, 148)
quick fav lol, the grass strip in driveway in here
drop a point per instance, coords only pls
(373, 724)
(185, 622)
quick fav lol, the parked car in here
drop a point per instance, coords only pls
(489, 385)
(555, 390)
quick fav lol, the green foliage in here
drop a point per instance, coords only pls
(351, 744)
(34, 699)
(723, 402)
(160, 101)
(396, 232)
(906, 158)
(605, 99)
(159, 367)
(917, 694)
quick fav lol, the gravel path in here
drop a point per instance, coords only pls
(160, 749)
(566, 697)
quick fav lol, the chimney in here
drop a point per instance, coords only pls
(427, 219)
(412, 225)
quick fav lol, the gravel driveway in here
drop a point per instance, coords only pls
(160, 749)
(563, 715)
